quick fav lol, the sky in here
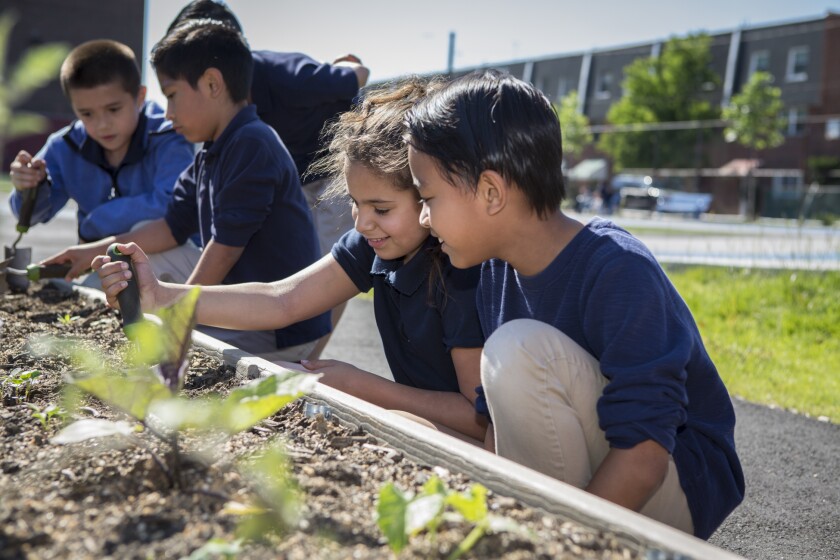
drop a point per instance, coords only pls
(394, 37)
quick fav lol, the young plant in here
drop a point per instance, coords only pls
(21, 381)
(66, 319)
(275, 505)
(45, 415)
(401, 515)
(149, 393)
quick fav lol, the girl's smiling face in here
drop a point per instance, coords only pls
(387, 216)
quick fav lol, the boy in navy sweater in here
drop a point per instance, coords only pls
(119, 161)
(241, 194)
(594, 371)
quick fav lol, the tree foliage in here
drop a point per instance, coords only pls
(663, 89)
(36, 67)
(574, 125)
(755, 114)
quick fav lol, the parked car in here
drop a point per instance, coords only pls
(683, 202)
(642, 192)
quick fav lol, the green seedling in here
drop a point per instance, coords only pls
(149, 391)
(401, 515)
(66, 319)
(45, 415)
(21, 381)
(275, 506)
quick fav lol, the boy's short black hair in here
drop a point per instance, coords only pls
(205, 9)
(197, 45)
(100, 62)
(487, 120)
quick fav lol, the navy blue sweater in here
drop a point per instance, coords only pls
(606, 291)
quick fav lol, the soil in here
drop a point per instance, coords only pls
(102, 499)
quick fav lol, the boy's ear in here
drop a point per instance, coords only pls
(492, 191)
(214, 81)
(141, 97)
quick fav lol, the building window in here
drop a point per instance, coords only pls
(562, 88)
(786, 186)
(604, 85)
(832, 129)
(759, 62)
(796, 121)
(797, 64)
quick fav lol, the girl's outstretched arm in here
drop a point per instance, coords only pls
(259, 306)
(450, 410)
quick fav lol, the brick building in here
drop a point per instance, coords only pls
(804, 59)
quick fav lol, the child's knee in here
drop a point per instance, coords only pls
(526, 351)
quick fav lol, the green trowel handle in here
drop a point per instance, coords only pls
(129, 298)
(37, 272)
(27, 206)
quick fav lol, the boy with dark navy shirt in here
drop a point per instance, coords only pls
(594, 370)
(241, 194)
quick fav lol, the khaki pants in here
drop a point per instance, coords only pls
(542, 389)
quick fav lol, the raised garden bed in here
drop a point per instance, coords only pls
(97, 499)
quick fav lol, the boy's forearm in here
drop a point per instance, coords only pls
(154, 237)
(629, 477)
(215, 263)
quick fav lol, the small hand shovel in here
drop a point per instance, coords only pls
(18, 279)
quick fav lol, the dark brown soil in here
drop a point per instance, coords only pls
(99, 499)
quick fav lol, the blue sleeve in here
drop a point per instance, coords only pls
(457, 304)
(643, 347)
(302, 81)
(169, 155)
(52, 195)
(244, 199)
(355, 256)
(182, 212)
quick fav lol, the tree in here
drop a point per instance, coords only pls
(37, 66)
(755, 114)
(574, 125)
(755, 120)
(663, 89)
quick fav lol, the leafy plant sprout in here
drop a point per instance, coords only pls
(148, 392)
(21, 381)
(45, 415)
(66, 319)
(401, 516)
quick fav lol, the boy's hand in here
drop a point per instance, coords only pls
(79, 258)
(26, 172)
(114, 276)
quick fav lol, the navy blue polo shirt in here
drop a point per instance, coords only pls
(295, 95)
(418, 329)
(242, 190)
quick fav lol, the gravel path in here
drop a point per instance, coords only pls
(792, 464)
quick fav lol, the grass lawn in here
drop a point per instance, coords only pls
(5, 183)
(774, 336)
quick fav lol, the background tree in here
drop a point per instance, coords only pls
(36, 67)
(755, 114)
(573, 124)
(670, 87)
(755, 121)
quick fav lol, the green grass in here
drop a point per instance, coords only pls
(774, 336)
(5, 183)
